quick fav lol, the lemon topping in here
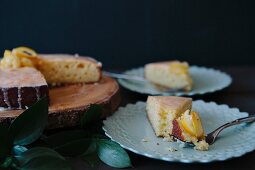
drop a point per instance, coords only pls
(19, 57)
(191, 124)
(179, 68)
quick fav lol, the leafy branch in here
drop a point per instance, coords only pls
(23, 145)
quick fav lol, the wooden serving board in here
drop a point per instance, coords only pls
(68, 103)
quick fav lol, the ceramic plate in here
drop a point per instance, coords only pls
(129, 127)
(205, 80)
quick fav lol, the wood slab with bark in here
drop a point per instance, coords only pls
(69, 102)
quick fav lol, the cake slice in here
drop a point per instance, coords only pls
(21, 87)
(169, 74)
(62, 68)
(173, 116)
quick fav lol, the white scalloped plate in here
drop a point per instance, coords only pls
(129, 126)
(205, 80)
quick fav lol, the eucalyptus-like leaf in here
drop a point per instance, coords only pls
(90, 155)
(29, 125)
(5, 142)
(36, 152)
(112, 154)
(46, 163)
(6, 164)
(93, 113)
(91, 148)
(99, 136)
(74, 148)
(18, 150)
(65, 137)
(91, 159)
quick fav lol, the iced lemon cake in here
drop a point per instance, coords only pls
(170, 74)
(56, 68)
(173, 116)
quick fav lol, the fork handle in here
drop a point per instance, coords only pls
(125, 76)
(235, 122)
(241, 120)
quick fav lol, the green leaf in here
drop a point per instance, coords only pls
(91, 148)
(46, 163)
(93, 113)
(74, 148)
(6, 164)
(99, 136)
(92, 159)
(90, 155)
(112, 154)
(29, 126)
(33, 153)
(5, 142)
(39, 143)
(18, 150)
(65, 137)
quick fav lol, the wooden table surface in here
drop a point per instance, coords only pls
(240, 94)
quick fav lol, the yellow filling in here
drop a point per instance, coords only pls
(179, 68)
(192, 124)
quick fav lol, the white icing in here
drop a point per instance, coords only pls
(37, 93)
(3, 109)
(100, 64)
(21, 77)
(6, 99)
(19, 97)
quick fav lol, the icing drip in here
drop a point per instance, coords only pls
(19, 97)
(38, 93)
(2, 109)
(6, 99)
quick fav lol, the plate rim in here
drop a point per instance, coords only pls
(238, 154)
(181, 93)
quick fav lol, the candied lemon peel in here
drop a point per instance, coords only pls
(19, 57)
(192, 124)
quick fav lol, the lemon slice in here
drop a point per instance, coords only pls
(9, 60)
(197, 124)
(191, 123)
(187, 123)
(24, 52)
(7, 53)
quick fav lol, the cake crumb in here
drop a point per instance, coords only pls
(145, 140)
(168, 139)
(201, 146)
(171, 149)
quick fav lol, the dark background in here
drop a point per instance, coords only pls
(129, 33)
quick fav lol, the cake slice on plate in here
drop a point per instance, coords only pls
(170, 74)
(173, 116)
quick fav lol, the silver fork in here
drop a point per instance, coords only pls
(211, 137)
(125, 76)
(140, 79)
